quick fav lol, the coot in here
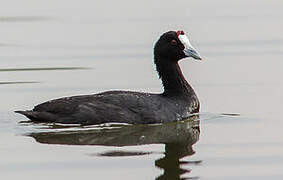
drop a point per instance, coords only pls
(177, 101)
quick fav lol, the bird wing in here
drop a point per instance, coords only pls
(112, 106)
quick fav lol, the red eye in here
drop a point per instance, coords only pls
(174, 42)
(180, 33)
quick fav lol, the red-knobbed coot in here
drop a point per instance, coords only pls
(177, 101)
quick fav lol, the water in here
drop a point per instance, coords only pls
(50, 49)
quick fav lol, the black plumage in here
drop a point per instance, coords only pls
(177, 101)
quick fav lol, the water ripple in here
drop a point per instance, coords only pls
(43, 69)
(18, 82)
(23, 18)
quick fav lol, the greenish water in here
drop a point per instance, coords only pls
(54, 49)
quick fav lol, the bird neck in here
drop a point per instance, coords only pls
(173, 80)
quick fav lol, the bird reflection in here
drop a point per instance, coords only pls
(178, 138)
(171, 163)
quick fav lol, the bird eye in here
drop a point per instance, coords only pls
(174, 42)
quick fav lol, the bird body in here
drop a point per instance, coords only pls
(177, 101)
(113, 106)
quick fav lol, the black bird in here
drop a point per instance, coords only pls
(177, 101)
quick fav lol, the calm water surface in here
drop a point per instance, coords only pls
(50, 49)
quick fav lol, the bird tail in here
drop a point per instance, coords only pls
(29, 114)
(38, 116)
